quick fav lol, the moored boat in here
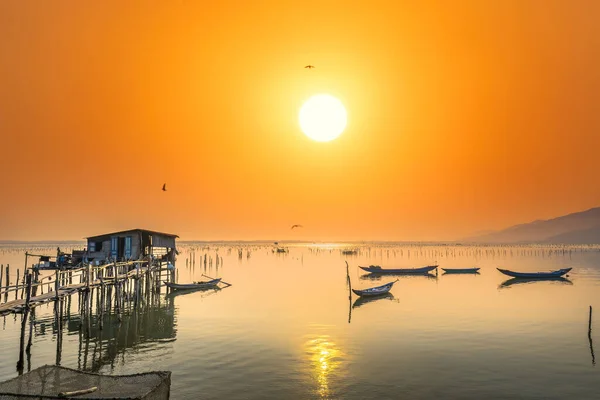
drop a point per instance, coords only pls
(195, 285)
(461, 270)
(375, 291)
(536, 275)
(376, 269)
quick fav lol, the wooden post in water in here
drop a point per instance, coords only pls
(7, 275)
(17, 285)
(21, 363)
(590, 337)
(24, 272)
(56, 285)
(29, 342)
(101, 316)
(28, 290)
(35, 279)
(349, 291)
(87, 277)
(1, 275)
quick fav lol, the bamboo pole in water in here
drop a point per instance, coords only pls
(17, 285)
(56, 285)
(349, 291)
(590, 338)
(21, 363)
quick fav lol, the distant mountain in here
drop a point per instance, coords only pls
(577, 228)
(583, 236)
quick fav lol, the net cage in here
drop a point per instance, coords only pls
(55, 382)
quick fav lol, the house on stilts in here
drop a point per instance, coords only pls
(134, 244)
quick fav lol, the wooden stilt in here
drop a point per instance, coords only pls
(17, 285)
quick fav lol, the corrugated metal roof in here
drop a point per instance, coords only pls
(133, 230)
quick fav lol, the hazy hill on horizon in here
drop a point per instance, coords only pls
(577, 228)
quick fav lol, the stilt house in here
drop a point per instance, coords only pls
(133, 244)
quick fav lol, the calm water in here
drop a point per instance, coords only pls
(286, 328)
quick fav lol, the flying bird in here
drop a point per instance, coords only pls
(296, 226)
(164, 187)
(310, 66)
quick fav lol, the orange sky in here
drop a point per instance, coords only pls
(462, 116)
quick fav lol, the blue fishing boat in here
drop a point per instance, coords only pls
(375, 291)
(376, 269)
(536, 275)
(461, 270)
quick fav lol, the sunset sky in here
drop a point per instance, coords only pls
(462, 116)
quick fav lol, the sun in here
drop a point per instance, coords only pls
(322, 118)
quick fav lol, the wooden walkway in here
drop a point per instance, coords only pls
(18, 305)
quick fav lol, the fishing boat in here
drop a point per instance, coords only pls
(379, 276)
(376, 269)
(536, 275)
(461, 270)
(375, 291)
(195, 285)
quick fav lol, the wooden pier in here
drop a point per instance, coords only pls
(143, 274)
(108, 290)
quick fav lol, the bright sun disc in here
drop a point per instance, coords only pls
(322, 118)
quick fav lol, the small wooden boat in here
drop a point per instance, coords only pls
(378, 277)
(196, 285)
(461, 270)
(536, 275)
(375, 291)
(376, 269)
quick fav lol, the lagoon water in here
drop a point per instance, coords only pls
(286, 328)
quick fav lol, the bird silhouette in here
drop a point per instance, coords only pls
(164, 187)
(296, 226)
(310, 66)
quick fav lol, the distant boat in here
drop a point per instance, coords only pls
(375, 291)
(349, 252)
(376, 269)
(374, 276)
(461, 270)
(536, 275)
(196, 285)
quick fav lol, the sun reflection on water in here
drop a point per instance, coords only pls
(325, 360)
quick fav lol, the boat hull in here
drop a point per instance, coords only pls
(187, 286)
(399, 271)
(461, 270)
(535, 275)
(374, 291)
